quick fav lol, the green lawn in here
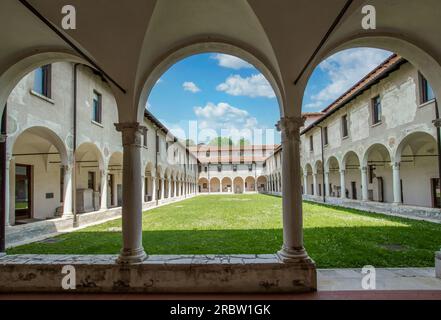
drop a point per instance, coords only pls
(230, 224)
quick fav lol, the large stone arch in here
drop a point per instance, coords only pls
(415, 53)
(215, 184)
(202, 46)
(227, 184)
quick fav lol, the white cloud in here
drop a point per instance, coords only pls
(190, 86)
(226, 120)
(253, 86)
(344, 69)
(232, 62)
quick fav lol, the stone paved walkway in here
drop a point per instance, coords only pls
(386, 279)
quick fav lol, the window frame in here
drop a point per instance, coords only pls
(424, 90)
(46, 81)
(100, 108)
(376, 110)
(325, 136)
(344, 126)
(311, 145)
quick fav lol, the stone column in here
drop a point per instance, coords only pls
(132, 251)
(292, 249)
(305, 183)
(11, 190)
(162, 188)
(314, 181)
(326, 186)
(396, 182)
(154, 191)
(364, 184)
(7, 192)
(104, 174)
(68, 191)
(175, 189)
(342, 184)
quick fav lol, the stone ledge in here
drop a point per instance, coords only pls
(168, 273)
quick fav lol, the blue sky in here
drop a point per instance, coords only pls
(231, 97)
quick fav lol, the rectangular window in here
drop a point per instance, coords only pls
(376, 110)
(325, 136)
(371, 173)
(91, 180)
(205, 169)
(97, 107)
(207, 154)
(311, 144)
(145, 140)
(157, 143)
(344, 125)
(234, 168)
(426, 91)
(219, 168)
(250, 167)
(42, 81)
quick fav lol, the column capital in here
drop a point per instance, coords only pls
(395, 165)
(67, 167)
(290, 126)
(364, 169)
(131, 133)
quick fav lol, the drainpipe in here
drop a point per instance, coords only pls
(156, 166)
(74, 165)
(437, 123)
(323, 165)
(3, 185)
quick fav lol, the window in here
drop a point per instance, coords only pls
(205, 168)
(219, 168)
(207, 154)
(376, 110)
(234, 168)
(91, 180)
(344, 125)
(97, 107)
(42, 81)
(250, 167)
(157, 143)
(426, 91)
(371, 173)
(325, 136)
(311, 145)
(145, 137)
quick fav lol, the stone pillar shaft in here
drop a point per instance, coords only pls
(364, 184)
(68, 191)
(104, 174)
(326, 186)
(342, 184)
(292, 249)
(132, 251)
(396, 182)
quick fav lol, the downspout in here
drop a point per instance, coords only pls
(323, 165)
(437, 123)
(156, 166)
(74, 165)
(3, 137)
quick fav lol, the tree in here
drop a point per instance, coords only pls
(243, 142)
(221, 141)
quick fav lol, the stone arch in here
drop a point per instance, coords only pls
(203, 185)
(238, 185)
(418, 169)
(415, 54)
(262, 183)
(227, 184)
(215, 185)
(198, 47)
(250, 184)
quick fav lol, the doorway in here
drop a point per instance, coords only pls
(23, 192)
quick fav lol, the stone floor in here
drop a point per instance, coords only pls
(386, 279)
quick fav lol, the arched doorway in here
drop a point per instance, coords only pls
(262, 184)
(39, 179)
(377, 160)
(203, 185)
(333, 174)
(114, 180)
(351, 165)
(89, 168)
(227, 185)
(215, 185)
(418, 169)
(250, 184)
(238, 185)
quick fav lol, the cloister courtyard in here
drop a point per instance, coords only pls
(251, 224)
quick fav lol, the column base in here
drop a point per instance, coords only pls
(295, 255)
(131, 256)
(438, 264)
(67, 215)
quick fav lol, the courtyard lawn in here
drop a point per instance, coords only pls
(232, 224)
